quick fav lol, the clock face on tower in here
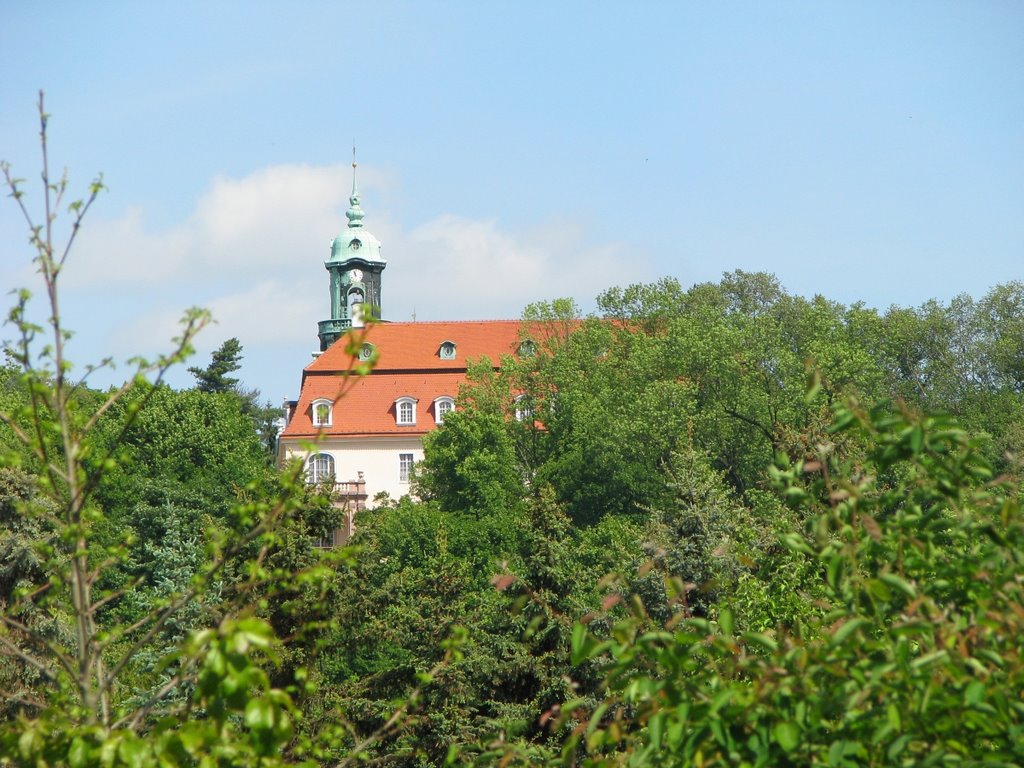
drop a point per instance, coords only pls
(355, 275)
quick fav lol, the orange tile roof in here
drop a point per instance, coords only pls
(366, 407)
(408, 365)
(414, 346)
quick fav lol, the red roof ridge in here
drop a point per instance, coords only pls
(449, 322)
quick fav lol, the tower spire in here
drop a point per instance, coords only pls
(354, 213)
(355, 268)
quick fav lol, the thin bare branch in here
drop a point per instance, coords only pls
(115, 595)
(37, 639)
(134, 719)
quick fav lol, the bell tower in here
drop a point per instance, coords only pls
(355, 267)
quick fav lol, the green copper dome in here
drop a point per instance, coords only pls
(355, 242)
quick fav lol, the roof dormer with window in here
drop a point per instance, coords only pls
(447, 350)
(443, 405)
(405, 411)
(322, 412)
(527, 348)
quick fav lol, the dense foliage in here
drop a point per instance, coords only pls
(153, 564)
(715, 526)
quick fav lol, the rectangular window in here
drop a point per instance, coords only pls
(524, 408)
(325, 542)
(321, 414)
(406, 412)
(321, 468)
(404, 467)
(443, 407)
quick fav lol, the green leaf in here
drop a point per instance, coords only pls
(897, 583)
(133, 751)
(595, 718)
(898, 746)
(787, 735)
(836, 752)
(893, 718)
(796, 543)
(835, 571)
(580, 643)
(26, 743)
(928, 659)
(975, 693)
(847, 629)
(879, 589)
(725, 621)
(656, 727)
(78, 753)
(916, 439)
(259, 715)
(758, 638)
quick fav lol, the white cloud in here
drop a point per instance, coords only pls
(121, 251)
(252, 252)
(454, 267)
(264, 223)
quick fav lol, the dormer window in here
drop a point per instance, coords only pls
(366, 352)
(527, 348)
(447, 350)
(442, 407)
(405, 411)
(323, 412)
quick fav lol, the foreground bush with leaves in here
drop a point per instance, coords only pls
(917, 660)
(116, 653)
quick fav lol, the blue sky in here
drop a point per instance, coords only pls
(511, 152)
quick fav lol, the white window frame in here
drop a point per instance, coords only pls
(442, 407)
(524, 408)
(405, 411)
(314, 409)
(325, 542)
(320, 467)
(443, 350)
(406, 461)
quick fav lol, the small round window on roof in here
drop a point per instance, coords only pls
(366, 351)
(356, 244)
(527, 348)
(447, 350)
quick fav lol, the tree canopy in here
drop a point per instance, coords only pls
(721, 525)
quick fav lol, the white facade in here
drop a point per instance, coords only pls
(377, 461)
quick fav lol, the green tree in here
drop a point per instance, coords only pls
(170, 685)
(919, 660)
(470, 465)
(225, 360)
(700, 536)
(80, 710)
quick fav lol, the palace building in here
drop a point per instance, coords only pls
(364, 433)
